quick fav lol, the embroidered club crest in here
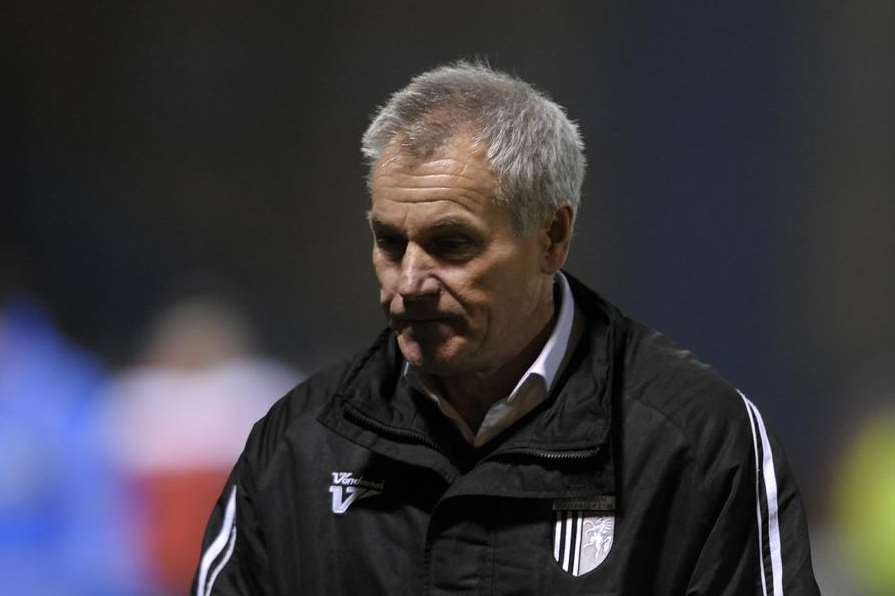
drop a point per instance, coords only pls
(582, 538)
(346, 489)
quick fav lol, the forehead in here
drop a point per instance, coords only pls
(456, 179)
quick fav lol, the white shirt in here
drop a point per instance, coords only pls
(531, 390)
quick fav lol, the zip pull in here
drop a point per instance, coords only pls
(570, 454)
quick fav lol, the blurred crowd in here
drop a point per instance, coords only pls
(107, 477)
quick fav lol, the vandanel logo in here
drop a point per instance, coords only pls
(346, 489)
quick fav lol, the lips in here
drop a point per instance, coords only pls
(404, 321)
(418, 319)
(398, 322)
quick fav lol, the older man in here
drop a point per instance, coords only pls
(511, 432)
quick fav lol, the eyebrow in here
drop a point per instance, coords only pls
(448, 223)
(452, 223)
(378, 224)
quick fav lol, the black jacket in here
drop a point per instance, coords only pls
(352, 484)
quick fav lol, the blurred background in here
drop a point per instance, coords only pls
(182, 239)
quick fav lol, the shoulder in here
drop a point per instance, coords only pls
(711, 415)
(655, 372)
(303, 401)
(665, 389)
(293, 418)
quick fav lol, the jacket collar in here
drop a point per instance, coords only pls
(375, 410)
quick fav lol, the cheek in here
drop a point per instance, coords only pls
(387, 278)
(462, 289)
(507, 294)
(470, 297)
(385, 298)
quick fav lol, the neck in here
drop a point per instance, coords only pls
(473, 394)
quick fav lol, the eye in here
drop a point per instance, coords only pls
(453, 247)
(392, 245)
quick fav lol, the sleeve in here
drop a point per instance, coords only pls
(234, 559)
(758, 544)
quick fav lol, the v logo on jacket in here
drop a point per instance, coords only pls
(346, 489)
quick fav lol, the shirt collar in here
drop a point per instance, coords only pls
(547, 364)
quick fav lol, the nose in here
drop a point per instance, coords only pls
(417, 279)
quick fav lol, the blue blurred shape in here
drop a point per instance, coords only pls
(64, 527)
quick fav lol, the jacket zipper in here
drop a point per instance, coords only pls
(362, 418)
(571, 454)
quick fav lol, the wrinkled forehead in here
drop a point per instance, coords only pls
(455, 179)
(460, 155)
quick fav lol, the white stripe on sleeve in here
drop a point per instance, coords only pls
(770, 485)
(222, 562)
(765, 469)
(764, 585)
(218, 545)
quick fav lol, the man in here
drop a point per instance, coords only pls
(511, 433)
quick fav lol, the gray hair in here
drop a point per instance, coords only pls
(533, 148)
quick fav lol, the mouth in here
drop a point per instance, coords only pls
(399, 323)
(406, 322)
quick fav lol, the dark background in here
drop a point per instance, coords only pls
(739, 195)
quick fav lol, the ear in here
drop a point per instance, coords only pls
(557, 236)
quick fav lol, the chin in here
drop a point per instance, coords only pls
(441, 359)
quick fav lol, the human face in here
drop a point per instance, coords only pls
(462, 289)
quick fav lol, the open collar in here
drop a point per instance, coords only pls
(372, 386)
